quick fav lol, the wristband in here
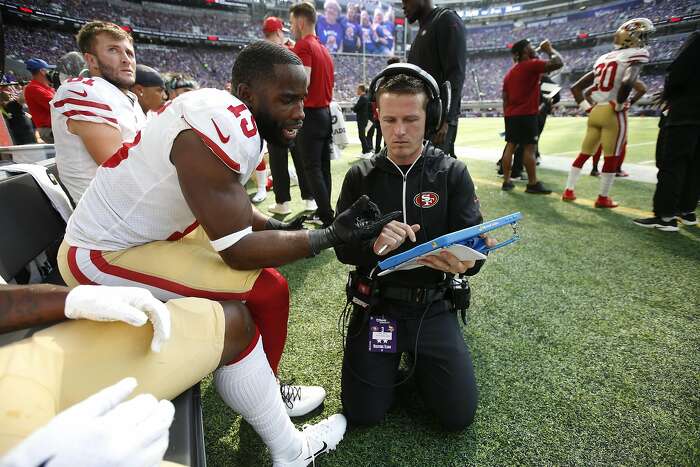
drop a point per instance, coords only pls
(585, 105)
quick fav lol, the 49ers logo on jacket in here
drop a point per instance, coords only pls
(427, 199)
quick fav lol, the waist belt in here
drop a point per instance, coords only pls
(413, 295)
(366, 292)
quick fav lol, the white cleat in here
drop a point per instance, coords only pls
(259, 197)
(278, 208)
(310, 205)
(301, 400)
(318, 439)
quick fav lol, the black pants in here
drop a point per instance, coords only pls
(361, 127)
(280, 173)
(678, 161)
(449, 144)
(444, 372)
(314, 145)
(370, 134)
(517, 167)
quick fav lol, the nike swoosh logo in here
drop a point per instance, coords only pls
(320, 451)
(224, 139)
(81, 94)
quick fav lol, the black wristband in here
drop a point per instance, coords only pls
(273, 224)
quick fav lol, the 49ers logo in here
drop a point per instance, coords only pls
(427, 199)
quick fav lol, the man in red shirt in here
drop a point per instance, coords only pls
(521, 101)
(37, 94)
(315, 137)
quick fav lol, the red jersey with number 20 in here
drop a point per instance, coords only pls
(609, 70)
(136, 198)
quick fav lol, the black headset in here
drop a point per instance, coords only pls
(438, 97)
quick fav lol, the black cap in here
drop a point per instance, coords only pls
(148, 77)
(519, 46)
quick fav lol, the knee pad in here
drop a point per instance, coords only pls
(580, 160)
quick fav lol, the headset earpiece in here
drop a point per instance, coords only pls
(435, 111)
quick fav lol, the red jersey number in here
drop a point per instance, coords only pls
(249, 129)
(605, 76)
(85, 81)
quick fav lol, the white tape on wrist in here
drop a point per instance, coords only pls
(585, 105)
(230, 239)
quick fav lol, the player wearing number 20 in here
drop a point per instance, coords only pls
(612, 78)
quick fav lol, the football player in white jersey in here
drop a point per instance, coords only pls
(92, 116)
(169, 212)
(613, 78)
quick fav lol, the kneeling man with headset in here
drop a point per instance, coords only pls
(411, 311)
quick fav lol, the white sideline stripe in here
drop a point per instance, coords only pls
(569, 153)
(86, 266)
(647, 162)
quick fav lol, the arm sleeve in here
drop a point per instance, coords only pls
(79, 100)
(464, 209)
(452, 47)
(229, 132)
(347, 254)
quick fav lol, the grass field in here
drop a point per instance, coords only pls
(562, 136)
(585, 337)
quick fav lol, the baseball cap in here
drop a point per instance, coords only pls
(519, 46)
(148, 77)
(273, 24)
(36, 64)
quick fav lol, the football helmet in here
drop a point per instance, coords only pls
(633, 33)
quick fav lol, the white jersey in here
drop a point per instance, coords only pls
(610, 69)
(91, 100)
(136, 197)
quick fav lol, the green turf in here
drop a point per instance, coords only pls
(562, 136)
(585, 337)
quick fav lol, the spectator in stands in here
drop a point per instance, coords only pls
(37, 94)
(92, 117)
(521, 101)
(274, 31)
(18, 124)
(678, 143)
(385, 42)
(329, 28)
(440, 49)
(362, 112)
(315, 136)
(369, 35)
(149, 87)
(352, 39)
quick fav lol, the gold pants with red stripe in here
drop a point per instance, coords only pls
(606, 128)
(188, 267)
(63, 364)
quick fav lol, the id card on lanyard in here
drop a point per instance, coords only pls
(382, 334)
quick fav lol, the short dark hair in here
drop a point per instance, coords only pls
(402, 84)
(87, 34)
(362, 87)
(392, 60)
(305, 10)
(256, 63)
(519, 47)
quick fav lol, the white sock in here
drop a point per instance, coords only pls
(606, 181)
(249, 387)
(574, 173)
(261, 178)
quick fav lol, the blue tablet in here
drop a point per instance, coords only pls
(469, 238)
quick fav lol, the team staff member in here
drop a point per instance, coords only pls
(91, 117)
(436, 195)
(440, 48)
(316, 134)
(362, 110)
(149, 87)
(189, 338)
(521, 102)
(37, 94)
(274, 31)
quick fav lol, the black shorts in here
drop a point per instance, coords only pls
(522, 129)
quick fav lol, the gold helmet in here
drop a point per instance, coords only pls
(633, 33)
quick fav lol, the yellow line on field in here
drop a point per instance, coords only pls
(580, 201)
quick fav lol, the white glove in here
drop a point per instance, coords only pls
(131, 305)
(585, 106)
(100, 431)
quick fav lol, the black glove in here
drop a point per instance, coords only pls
(296, 224)
(361, 221)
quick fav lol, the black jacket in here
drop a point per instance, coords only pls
(448, 190)
(681, 91)
(440, 48)
(361, 108)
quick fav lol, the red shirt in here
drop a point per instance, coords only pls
(37, 96)
(313, 54)
(522, 88)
